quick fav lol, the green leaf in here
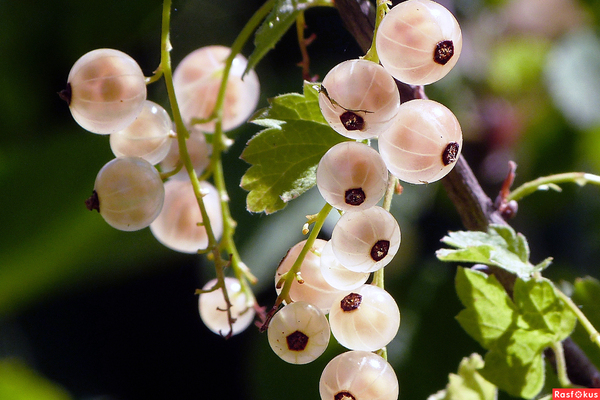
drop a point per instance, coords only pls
(19, 382)
(500, 246)
(489, 311)
(284, 156)
(468, 384)
(276, 24)
(515, 333)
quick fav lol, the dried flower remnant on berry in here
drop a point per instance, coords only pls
(443, 52)
(450, 154)
(351, 302)
(352, 121)
(344, 396)
(380, 249)
(355, 197)
(297, 341)
(93, 203)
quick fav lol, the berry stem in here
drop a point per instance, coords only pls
(381, 11)
(290, 276)
(550, 182)
(587, 325)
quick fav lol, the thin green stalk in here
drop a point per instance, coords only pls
(382, 9)
(587, 325)
(561, 365)
(241, 271)
(292, 274)
(550, 181)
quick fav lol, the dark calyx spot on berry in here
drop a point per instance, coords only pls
(380, 250)
(450, 153)
(352, 121)
(93, 203)
(355, 197)
(351, 302)
(65, 94)
(297, 341)
(344, 396)
(443, 52)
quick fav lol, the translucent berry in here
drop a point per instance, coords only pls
(128, 193)
(368, 318)
(352, 176)
(198, 150)
(106, 91)
(336, 274)
(177, 226)
(358, 375)
(419, 42)
(313, 289)
(212, 307)
(423, 143)
(147, 137)
(365, 241)
(358, 98)
(299, 333)
(197, 79)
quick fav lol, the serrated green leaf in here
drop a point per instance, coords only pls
(284, 156)
(541, 308)
(468, 384)
(515, 333)
(277, 23)
(500, 246)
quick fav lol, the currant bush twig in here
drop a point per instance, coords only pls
(561, 366)
(382, 9)
(302, 43)
(292, 274)
(550, 181)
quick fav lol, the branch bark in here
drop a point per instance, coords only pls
(474, 206)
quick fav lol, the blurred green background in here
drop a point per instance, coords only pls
(88, 312)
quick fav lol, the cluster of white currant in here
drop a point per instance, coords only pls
(418, 42)
(106, 93)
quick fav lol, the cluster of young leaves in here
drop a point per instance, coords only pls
(285, 155)
(516, 330)
(468, 384)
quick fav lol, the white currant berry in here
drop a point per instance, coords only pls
(358, 375)
(423, 143)
(336, 274)
(299, 333)
(418, 42)
(358, 98)
(177, 226)
(147, 137)
(368, 318)
(198, 150)
(365, 241)
(128, 193)
(352, 176)
(213, 308)
(197, 79)
(313, 289)
(106, 91)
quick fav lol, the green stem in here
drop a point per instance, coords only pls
(382, 9)
(291, 275)
(587, 325)
(580, 178)
(240, 270)
(561, 365)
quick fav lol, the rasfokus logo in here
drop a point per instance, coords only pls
(575, 394)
